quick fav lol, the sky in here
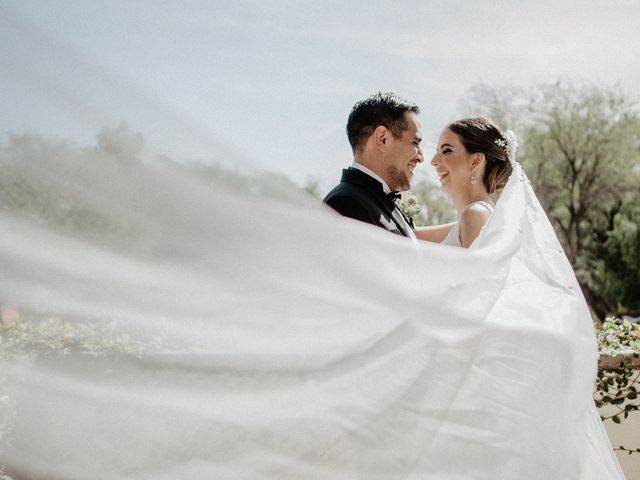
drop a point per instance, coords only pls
(260, 84)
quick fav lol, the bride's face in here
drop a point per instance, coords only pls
(452, 162)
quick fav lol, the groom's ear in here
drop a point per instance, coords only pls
(380, 136)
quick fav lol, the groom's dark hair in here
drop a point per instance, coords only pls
(380, 109)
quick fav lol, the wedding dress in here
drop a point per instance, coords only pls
(231, 329)
(453, 237)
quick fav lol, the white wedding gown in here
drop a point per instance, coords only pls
(266, 337)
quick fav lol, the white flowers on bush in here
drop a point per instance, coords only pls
(617, 337)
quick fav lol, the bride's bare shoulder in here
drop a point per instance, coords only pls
(472, 220)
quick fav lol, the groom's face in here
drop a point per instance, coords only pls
(403, 155)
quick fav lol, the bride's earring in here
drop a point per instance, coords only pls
(473, 179)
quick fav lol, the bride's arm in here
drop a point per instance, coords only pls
(435, 233)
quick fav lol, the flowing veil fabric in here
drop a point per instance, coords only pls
(244, 332)
(288, 342)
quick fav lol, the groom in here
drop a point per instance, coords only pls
(385, 134)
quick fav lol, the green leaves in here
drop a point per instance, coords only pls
(630, 451)
(616, 392)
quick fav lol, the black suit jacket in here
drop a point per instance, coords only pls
(361, 197)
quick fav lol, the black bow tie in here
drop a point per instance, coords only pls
(393, 195)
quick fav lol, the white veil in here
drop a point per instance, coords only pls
(239, 332)
(278, 340)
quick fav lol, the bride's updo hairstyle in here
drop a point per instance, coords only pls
(480, 135)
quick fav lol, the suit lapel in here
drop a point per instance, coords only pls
(402, 223)
(374, 187)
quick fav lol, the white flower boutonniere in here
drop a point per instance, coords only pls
(409, 206)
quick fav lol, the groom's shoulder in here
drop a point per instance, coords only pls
(343, 192)
(348, 190)
(344, 189)
(349, 206)
(351, 201)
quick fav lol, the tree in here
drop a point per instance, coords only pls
(619, 266)
(60, 199)
(580, 146)
(120, 142)
(436, 205)
(312, 187)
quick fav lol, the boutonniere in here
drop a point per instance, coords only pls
(409, 206)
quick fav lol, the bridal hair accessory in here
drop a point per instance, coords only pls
(510, 145)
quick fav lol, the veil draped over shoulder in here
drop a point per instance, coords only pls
(245, 334)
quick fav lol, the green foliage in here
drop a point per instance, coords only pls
(313, 188)
(618, 268)
(617, 388)
(436, 205)
(64, 202)
(580, 147)
(28, 192)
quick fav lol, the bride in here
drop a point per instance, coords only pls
(473, 161)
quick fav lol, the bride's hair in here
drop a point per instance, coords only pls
(481, 135)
